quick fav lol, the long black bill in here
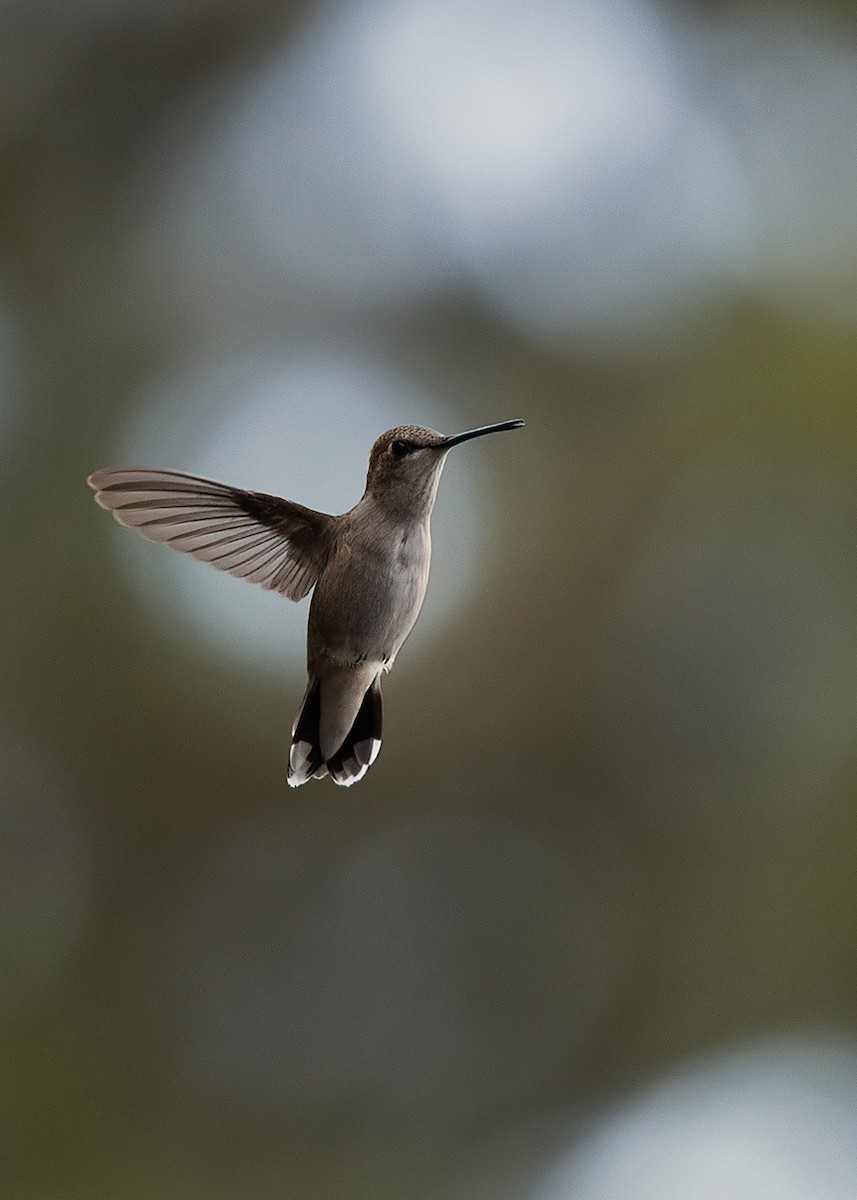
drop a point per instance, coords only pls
(474, 433)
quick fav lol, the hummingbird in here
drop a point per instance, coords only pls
(369, 568)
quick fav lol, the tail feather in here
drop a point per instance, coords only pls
(360, 748)
(356, 754)
(305, 759)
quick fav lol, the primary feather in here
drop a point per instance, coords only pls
(276, 543)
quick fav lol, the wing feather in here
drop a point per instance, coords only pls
(276, 543)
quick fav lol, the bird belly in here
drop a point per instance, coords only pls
(365, 606)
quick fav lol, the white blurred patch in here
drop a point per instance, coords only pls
(301, 428)
(774, 1122)
(590, 198)
(548, 151)
(286, 193)
(599, 171)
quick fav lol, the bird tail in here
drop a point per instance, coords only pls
(362, 742)
(305, 757)
(356, 754)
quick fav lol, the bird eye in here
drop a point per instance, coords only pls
(399, 449)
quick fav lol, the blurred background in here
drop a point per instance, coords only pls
(587, 929)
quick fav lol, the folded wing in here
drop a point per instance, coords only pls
(275, 543)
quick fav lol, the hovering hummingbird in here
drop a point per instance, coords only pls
(369, 567)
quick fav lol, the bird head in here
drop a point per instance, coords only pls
(406, 462)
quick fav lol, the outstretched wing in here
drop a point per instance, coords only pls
(278, 544)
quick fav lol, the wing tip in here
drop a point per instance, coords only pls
(141, 498)
(96, 479)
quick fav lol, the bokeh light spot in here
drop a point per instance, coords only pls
(773, 1122)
